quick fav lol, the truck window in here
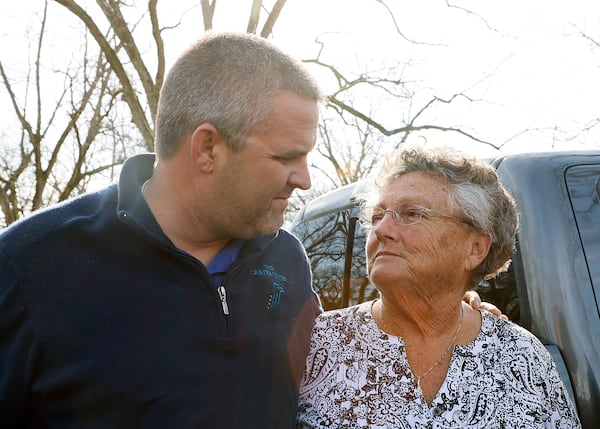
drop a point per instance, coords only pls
(324, 239)
(327, 244)
(583, 184)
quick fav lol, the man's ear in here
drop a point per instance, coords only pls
(478, 248)
(202, 147)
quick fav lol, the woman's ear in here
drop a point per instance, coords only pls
(202, 147)
(478, 248)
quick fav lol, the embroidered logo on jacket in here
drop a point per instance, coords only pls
(278, 288)
(275, 296)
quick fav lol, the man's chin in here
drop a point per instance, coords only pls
(271, 224)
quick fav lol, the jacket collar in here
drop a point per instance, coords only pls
(132, 206)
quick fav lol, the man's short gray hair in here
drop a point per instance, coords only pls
(229, 81)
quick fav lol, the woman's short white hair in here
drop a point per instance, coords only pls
(474, 190)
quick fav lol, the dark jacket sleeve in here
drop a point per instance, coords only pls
(16, 350)
(311, 308)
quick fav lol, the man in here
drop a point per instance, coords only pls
(173, 299)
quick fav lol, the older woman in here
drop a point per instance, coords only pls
(419, 356)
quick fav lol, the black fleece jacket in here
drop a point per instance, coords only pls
(104, 323)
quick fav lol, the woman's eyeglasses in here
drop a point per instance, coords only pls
(403, 215)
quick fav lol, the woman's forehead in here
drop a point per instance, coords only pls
(415, 187)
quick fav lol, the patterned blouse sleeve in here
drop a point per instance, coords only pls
(562, 411)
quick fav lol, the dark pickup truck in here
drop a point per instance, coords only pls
(553, 286)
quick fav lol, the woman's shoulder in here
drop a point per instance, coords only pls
(344, 322)
(510, 336)
(503, 328)
(345, 315)
(340, 333)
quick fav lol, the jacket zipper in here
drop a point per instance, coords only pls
(225, 307)
(223, 296)
(221, 289)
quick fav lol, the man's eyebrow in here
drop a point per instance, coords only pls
(291, 154)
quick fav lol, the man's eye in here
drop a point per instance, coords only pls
(289, 158)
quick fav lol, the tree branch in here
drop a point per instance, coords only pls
(272, 18)
(129, 95)
(160, 51)
(208, 12)
(254, 16)
(112, 12)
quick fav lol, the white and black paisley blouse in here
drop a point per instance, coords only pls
(357, 376)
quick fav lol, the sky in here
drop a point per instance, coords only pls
(525, 59)
(538, 80)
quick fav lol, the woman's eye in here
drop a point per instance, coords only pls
(376, 218)
(412, 214)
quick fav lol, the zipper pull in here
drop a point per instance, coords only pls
(223, 296)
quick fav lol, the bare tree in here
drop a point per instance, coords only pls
(354, 131)
(594, 43)
(358, 111)
(131, 69)
(111, 46)
(60, 145)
